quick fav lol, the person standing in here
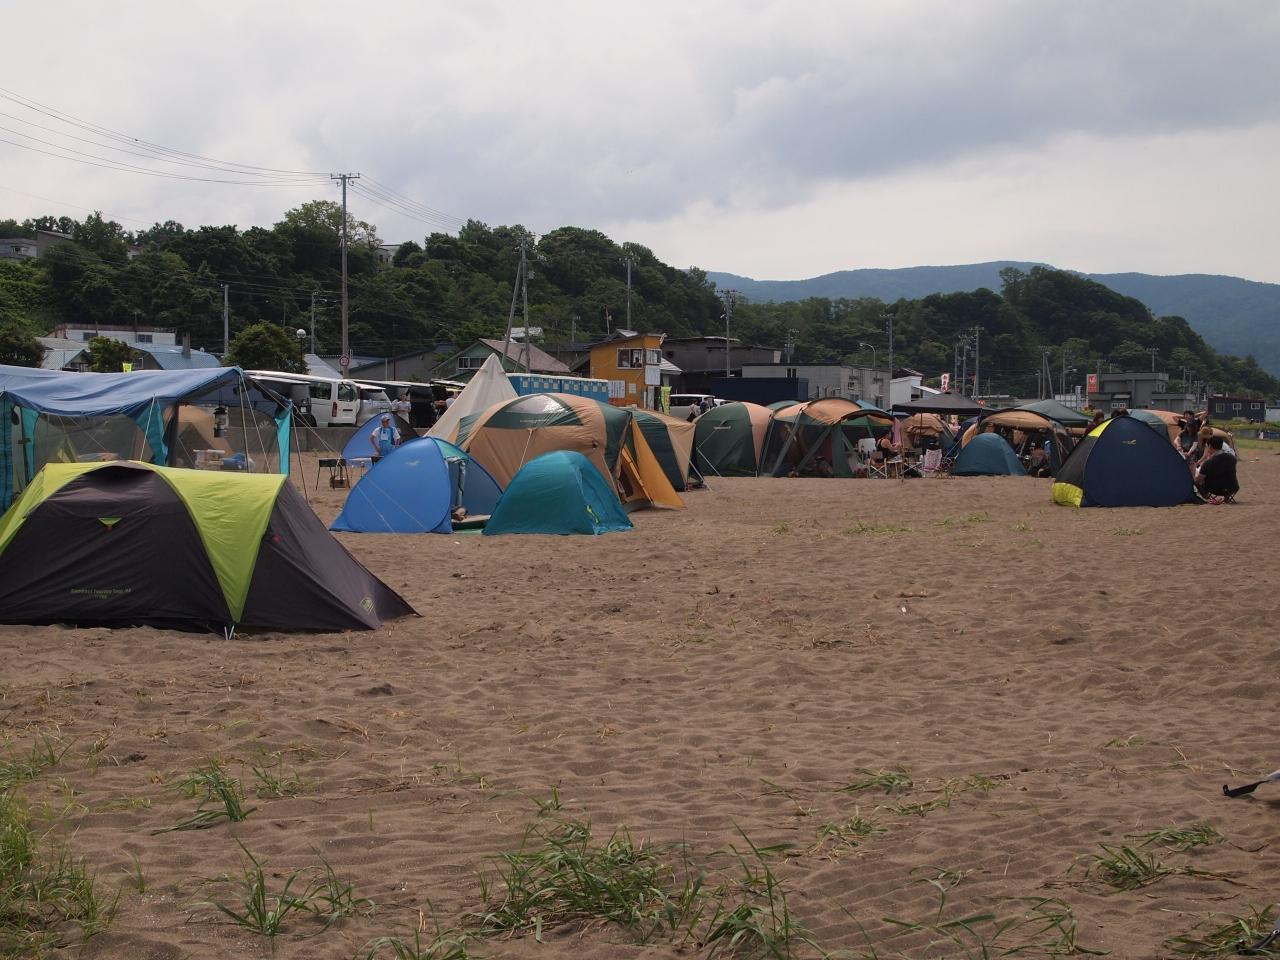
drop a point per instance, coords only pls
(384, 437)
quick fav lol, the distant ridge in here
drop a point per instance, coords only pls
(1234, 315)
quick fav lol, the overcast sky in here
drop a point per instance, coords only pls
(776, 140)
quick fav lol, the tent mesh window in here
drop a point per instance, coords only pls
(205, 434)
(59, 439)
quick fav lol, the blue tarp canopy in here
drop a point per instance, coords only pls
(104, 394)
(147, 397)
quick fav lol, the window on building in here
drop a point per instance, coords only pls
(144, 338)
(624, 359)
(1255, 405)
(1235, 406)
(653, 357)
(86, 335)
(470, 363)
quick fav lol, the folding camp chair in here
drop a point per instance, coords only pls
(878, 469)
(931, 465)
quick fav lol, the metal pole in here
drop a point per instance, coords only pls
(524, 298)
(977, 360)
(888, 386)
(874, 372)
(345, 359)
(313, 321)
(226, 319)
(629, 293)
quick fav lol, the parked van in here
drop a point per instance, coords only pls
(319, 401)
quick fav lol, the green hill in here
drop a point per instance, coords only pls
(1233, 315)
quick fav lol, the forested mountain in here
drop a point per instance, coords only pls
(1232, 314)
(453, 288)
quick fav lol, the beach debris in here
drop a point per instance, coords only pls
(1250, 787)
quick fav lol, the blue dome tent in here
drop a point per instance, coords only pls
(358, 447)
(415, 490)
(559, 492)
(1122, 462)
(987, 455)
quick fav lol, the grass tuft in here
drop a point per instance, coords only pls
(892, 781)
(44, 753)
(1228, 935)
(222, 798)
(859, 528)
(1181, 838)
(48, 899)
(1124, 868)
(259, 910)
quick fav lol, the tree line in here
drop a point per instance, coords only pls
(451, 288)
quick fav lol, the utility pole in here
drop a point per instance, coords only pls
(313, 321)
(524, 299)
(226, 320)
(729, 298)
(977, 360)
(573, 329)
(629, 327)
(964, 363)
(888, 386)
(1062, 381)
(1153, 351)
(345, 359)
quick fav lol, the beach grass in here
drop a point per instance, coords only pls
(221, 799)
(1228, 935)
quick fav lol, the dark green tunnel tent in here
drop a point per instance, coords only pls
(132, 544)
(729, 439)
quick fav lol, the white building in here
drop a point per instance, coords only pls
(134, 336)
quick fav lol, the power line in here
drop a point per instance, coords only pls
(56, 114)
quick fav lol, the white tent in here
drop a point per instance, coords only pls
(489, 386)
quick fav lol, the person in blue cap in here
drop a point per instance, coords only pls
(384, 437)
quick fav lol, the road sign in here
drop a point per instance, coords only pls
(344, 361)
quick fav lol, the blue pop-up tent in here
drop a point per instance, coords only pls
(558, 492)
(31, 399)
(988, 455)
(415, 489)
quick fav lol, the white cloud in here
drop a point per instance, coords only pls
(740, 119)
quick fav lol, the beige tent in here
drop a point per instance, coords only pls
(489, 386)
(508, 435)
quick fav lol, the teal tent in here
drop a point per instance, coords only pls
(1071, 419)
(559, 492)
(987, 455)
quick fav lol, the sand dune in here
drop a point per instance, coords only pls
(1049, 679)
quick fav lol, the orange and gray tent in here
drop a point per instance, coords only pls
(125, 543)
(1122, 462)
(828, 429)
(729, 439)
(671, 440)
(923, 426)
(508, 435)
(1161, 421)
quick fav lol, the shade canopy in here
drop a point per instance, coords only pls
(1056, 411)
(943, 403)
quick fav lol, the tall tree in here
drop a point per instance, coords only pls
(265, 346)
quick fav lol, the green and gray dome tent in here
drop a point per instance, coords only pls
(126, 543)
(729, 439)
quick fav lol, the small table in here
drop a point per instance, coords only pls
(338, 476)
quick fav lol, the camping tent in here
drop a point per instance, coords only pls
(943, 403)
(1164, 423)
(127, 543)
(359, 448)
(558, 492)
(729, 439)
(987, 455)
(488, 385)
(671, 440)
(54, 416)
(1025, 426)
(1071, 419)
(829, 429)
(1122, 462)
(920, 427)
(508, 435)
(416, 488)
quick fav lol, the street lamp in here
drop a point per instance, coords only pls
(873, 366)
(302, 338)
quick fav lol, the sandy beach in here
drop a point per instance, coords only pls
(762, 665)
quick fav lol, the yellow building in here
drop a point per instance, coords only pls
(633, 366)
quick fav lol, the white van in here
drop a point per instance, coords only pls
(320, 401)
